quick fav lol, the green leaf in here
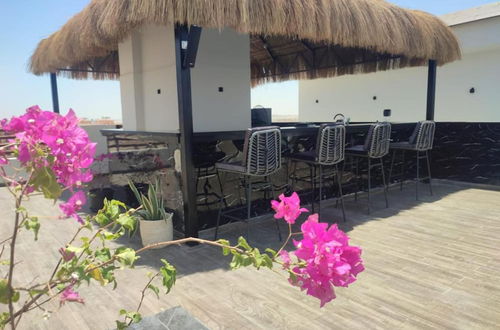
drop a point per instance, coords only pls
(242, 242)
(155, 289)
(236, 261)
(109, 236)
(225, 250)
(267, 261)
(128, 222)
(168, 273)
(134, 316)
(4, 317)
(35, 292)
(103, 254)
(126, 256)
(32, 223)
(6, 292)
(109, 212)
(44, 180)
(121, 325)
(271, 252)
(4, 262)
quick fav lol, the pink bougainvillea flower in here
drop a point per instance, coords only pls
(73, 205)
(326, 260)
(66, 255)
(3, 158)
(285, 257)
(69, 295)
(40, 134)
(288, 208)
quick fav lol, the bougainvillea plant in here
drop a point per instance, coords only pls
(50, 154)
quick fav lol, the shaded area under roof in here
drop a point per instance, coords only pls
(289, 39)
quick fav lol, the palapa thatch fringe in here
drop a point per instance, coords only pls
(374, 26)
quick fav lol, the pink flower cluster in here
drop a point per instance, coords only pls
(69, 295)
(288, 208)
(47, 139)
(324, 259)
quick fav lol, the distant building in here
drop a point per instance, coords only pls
(467, 90)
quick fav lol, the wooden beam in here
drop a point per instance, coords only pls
(266, 47)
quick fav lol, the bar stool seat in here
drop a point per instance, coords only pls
(329, 152)
(236, 167)
(357, 149)
(207, 159)
(421, 142)
(306, 156)
(406, 145)
(261, 159)
(376, 146)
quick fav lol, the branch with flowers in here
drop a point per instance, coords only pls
(55, 155)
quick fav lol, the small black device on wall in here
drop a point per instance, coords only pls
(261, 117)
(387, 112)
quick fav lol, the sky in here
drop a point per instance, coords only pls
(23, 23)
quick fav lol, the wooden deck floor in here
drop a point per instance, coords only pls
(429, 264)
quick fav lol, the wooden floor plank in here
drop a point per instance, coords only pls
(430, 264)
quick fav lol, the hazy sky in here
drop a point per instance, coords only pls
(23, 23)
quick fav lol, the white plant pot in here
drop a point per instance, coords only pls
(156, 231)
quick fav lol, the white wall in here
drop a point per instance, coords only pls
(404, 91)
(223, 61)
(94, 132)
(147, 64)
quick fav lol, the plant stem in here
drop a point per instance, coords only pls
(143, 294)
(290, 234)
(188, 240)
(19, 200)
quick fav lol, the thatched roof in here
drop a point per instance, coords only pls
(290, 39)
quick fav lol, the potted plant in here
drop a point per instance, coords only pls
(155, 224)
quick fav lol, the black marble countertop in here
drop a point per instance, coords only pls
(287, 130)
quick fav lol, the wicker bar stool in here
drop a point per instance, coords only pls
(376, 146)
(205, 156)
(420, 142)
(261, 159)
(329, 152)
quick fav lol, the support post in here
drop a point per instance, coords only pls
(55, 94)
(185, 108)
(431, 90)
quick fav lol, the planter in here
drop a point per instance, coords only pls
(156, 231)
(97, 198)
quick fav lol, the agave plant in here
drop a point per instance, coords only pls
(152, 203)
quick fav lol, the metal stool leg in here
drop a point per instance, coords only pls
(403, 170)
(384, 182)
(429, 170)
(219, 214)
(392, 166)
(217, 174)
(357, 180)
(369, 184)
(273, 195)
(320, 179)
(249, 205)
(418, 175)
(341, 195)
(312, 172)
